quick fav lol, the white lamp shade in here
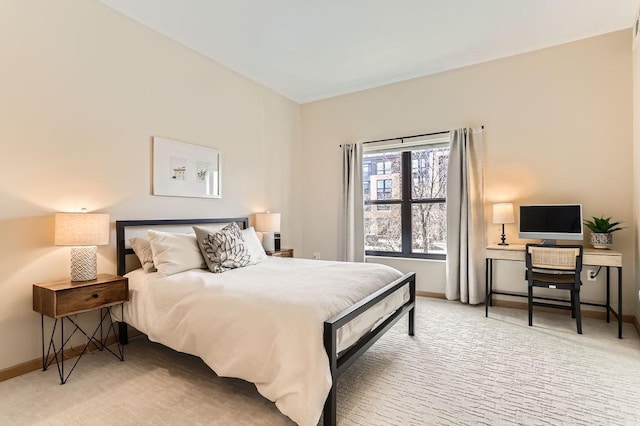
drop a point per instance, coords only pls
(81, 229)
(267, 222)
(503, 213)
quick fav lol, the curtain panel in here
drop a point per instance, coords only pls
(351, 227)
(465, 218)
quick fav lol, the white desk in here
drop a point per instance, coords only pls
(593, 257)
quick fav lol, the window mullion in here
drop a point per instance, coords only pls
(378, 202)
(428, 200)
(406, 202)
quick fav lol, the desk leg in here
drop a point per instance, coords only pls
(486, 287)
(619, 302)
(490, 282)
(44, 361)
(608, 294)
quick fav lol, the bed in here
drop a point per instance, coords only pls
(290, 326)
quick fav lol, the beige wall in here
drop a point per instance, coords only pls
(557, 129)
(83, 90)
(636, 167)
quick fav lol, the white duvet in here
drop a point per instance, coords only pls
(261, 323)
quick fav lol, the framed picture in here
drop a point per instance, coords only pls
(185, 170)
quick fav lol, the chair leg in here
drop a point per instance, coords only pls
(530, 306)
(573, 305)
(577, 309)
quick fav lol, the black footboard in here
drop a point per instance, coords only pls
(338, 364)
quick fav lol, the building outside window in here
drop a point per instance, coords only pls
(383, 167)
(384, 189)
(406, 214)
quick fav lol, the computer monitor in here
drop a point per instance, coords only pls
(551, 222)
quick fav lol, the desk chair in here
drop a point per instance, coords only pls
(558, 267)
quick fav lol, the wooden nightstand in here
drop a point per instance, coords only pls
(64, 298)
(281, 253)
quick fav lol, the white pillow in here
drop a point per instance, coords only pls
(142, 249)
(175, 252)
(254, 246)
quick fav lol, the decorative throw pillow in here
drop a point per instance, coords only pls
(223, 250)
(254, 246)
(142, 249)
(175, 252)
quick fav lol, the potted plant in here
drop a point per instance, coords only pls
(601, 230)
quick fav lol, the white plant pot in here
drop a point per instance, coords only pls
(601, 240)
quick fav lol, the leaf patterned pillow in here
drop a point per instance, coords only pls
(223, 250)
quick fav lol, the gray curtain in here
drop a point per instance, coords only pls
(465, 218)
(351, 229)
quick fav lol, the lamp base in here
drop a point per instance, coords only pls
(84, 263)
(276, 241)
(503, 239)
(268, 241)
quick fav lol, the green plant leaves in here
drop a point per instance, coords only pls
(603, 225)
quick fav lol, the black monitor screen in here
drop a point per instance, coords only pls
(551, 218)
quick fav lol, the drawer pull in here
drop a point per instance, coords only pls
(95, 295)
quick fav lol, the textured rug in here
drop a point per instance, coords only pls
(460, 369)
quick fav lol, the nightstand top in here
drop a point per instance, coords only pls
(67, 283)
(285, 252)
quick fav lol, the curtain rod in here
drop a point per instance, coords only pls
(402, 138)
(408, 137)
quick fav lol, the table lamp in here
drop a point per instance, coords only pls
(83, 231)
(269, 224)
(503, 213)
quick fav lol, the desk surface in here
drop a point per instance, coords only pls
(591, 256)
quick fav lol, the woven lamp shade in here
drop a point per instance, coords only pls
(85, 231)
(81, 229)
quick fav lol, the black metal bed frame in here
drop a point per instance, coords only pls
(338, 363)
(121, 225)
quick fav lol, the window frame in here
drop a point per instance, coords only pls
(406, 202)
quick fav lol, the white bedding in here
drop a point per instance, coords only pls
(262, 323)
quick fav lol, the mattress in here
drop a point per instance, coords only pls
(262, 323)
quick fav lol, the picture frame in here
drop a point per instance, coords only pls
(182, 169)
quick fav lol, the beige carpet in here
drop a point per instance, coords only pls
(460, 369)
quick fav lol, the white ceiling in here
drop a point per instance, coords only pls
(308, 50)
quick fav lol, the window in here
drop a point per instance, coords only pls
(384, 189)
(406, 215)
(383, 168)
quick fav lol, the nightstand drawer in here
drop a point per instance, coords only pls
(62, 298)
(88, 298)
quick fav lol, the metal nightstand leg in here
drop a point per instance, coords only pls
(47, 359)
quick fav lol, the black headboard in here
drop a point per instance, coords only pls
(121, 225)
